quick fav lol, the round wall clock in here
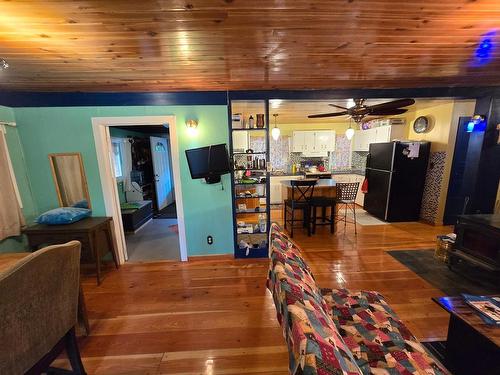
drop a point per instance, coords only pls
(421, 124)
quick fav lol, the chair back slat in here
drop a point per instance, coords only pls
(347, 191)
(305, 189)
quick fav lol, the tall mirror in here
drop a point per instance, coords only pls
(69, 178)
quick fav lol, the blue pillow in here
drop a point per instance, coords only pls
(81, 204)
(63, 215)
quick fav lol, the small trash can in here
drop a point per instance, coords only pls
(444, 244)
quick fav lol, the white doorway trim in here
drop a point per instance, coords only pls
(102, 138)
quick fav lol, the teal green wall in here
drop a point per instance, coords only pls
(18, 163)
(207, 208)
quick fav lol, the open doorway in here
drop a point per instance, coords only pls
(142, 165)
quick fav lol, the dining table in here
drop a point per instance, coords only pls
(9, 260)
(324, 187)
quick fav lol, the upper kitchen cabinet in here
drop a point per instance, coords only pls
(314, 143)
(363, 138)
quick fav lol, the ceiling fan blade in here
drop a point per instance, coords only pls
(386, 112)
(394, 104)
(337, 106)
(328, 114)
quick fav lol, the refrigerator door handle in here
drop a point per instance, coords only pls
(379, 170)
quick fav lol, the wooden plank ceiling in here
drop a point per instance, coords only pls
(239, 44)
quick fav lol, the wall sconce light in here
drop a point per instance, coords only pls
(192, 126)
(3, 64)
(192, 123)
(476, 124)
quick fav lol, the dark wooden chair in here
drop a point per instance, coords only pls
(346, 199)
(302, 192)
(39, 311)
(323, 203)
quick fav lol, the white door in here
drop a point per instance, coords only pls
(161, 168)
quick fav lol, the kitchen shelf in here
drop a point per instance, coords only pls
(249, 183)
(252, 234)
(250, 197)
(260, 252)
(252, 211)
(238, 155)
(250, 169)
(249, 153)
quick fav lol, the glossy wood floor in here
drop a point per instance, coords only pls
(213, 315)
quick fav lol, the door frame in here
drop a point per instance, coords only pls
(102, 138)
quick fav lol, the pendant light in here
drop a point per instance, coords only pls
(349, 133)
(275, 133)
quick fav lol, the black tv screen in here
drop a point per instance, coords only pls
(209, 161)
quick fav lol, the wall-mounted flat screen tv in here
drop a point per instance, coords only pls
(209, 162)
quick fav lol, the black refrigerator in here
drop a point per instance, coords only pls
(396, 179)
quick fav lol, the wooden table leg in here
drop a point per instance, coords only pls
(111, 244)
(96, 255)
(82, 311)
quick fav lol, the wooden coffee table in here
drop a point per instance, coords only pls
(472, 346)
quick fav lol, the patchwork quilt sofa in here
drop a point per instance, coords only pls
(335, 331)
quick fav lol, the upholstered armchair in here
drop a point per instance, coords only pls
(38, 310)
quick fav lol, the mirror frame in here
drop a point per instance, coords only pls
(82, 173)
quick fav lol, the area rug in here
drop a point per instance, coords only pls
(169, 212)
(462, 279)
(364, 218)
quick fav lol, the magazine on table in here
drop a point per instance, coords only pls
(488, 307)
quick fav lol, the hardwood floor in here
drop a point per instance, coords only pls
(213, 315)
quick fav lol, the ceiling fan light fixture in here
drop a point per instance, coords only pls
(349, 133)
(275, 132)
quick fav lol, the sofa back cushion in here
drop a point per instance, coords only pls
(314, 344)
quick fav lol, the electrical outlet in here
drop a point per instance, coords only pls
(210, 240)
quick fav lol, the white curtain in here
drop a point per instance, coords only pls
(11, 217)
(126, 152)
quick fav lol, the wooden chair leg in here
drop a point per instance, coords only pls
(307, 220)
(97, 259)
(74, 353)
(284, 214)
(313, 218)
(82, 311)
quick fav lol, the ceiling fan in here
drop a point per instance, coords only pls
(360, 111)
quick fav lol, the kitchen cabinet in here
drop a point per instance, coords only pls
(298, 141)
(363, 138)
(344, 178)
(314, 143)
(240, 141)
